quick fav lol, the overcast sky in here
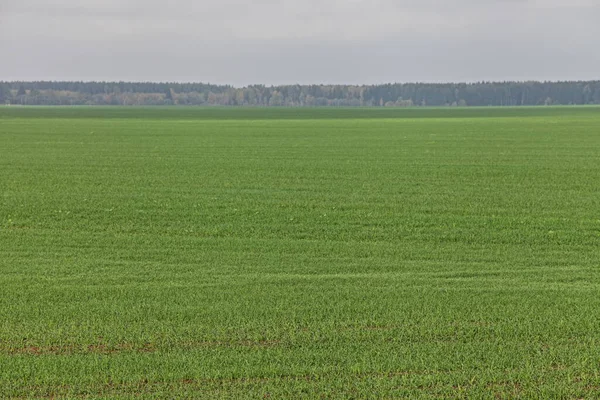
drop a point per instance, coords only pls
(299, 41)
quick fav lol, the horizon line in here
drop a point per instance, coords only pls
(479, 82)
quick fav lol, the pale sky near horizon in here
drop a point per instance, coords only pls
(300, 41)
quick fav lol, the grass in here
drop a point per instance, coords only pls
(261, 113)
(250, 253)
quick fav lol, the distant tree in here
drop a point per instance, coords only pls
(21, 91)
(404, 103)
(587, 94)
(252, 96)
(4, 94)
(212, 98)
(239, 97)
(276, 99)
(168, 94)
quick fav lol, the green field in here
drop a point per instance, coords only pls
(264, 253)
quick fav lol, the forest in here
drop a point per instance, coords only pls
(529, 93)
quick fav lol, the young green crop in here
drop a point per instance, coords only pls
(186, 253)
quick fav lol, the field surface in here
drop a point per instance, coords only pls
(248, 253)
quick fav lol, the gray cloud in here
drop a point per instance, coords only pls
(299, 41)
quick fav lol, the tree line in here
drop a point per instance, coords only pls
(530, 93)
